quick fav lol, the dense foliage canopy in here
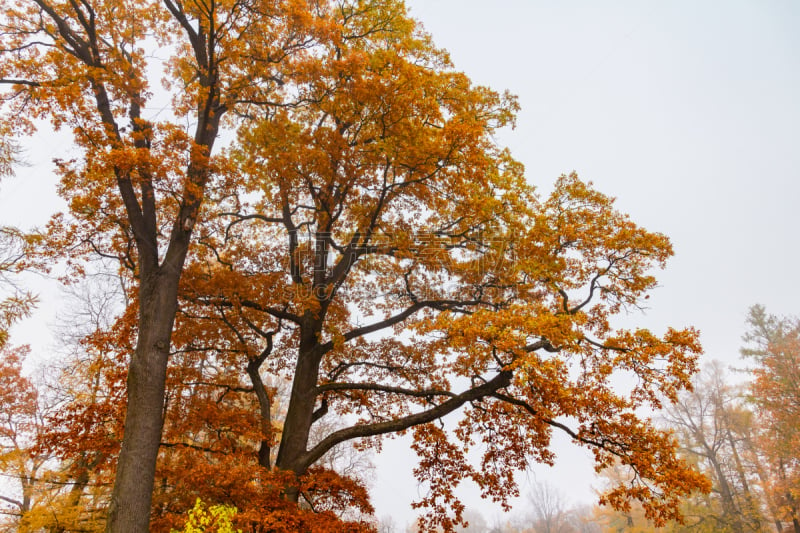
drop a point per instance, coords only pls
(361, 251)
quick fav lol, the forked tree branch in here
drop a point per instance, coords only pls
(501, 380)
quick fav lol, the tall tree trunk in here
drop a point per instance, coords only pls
(300, 412)
(129, 510)
(299, 415)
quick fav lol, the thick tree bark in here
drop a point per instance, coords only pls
(129, 510)
(299, 416)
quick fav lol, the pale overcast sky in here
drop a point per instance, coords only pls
(687, 111)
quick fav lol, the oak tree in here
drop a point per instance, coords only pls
(389, 259)
(363, 238)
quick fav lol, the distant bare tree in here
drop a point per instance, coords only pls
(710, 423)
(549, 509)
(582, 520)
(387, 525)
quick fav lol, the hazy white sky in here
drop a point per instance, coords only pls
(687, 111)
